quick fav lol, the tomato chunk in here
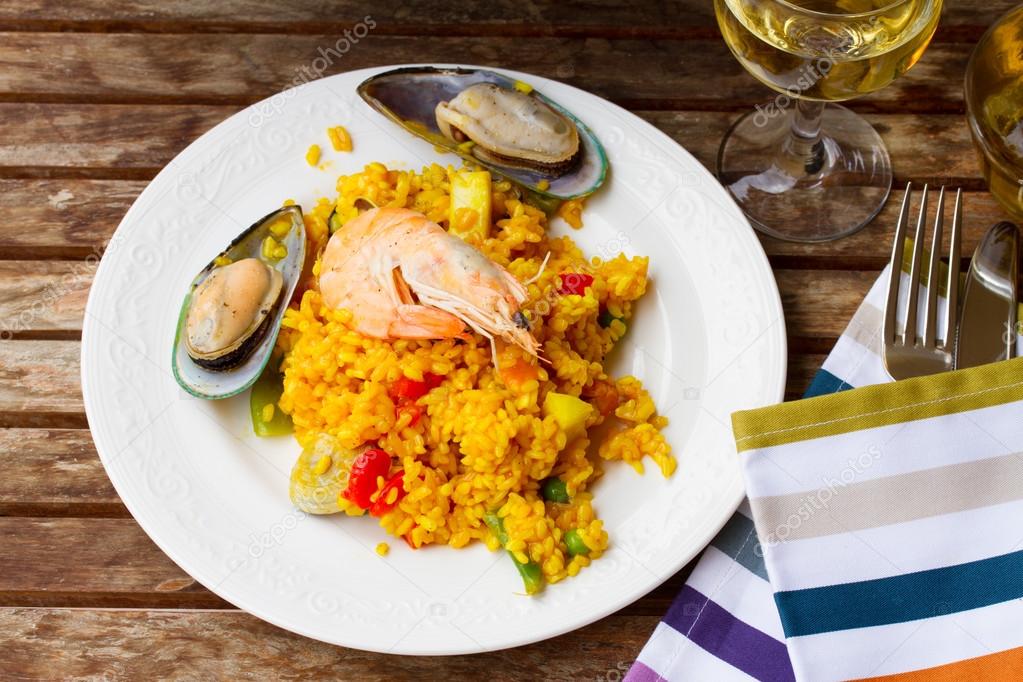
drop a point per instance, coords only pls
(362, 482)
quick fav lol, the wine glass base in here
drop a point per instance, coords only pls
(832, 193)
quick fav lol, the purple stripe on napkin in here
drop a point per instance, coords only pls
(740, 645)
(641, 673)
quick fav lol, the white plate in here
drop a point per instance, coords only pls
(707, 339)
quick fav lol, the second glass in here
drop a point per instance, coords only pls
(994, 108)
(802, 171)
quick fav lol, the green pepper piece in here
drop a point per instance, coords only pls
(575, 543)
(334, 221)
(267, 391)
(553, 490)
(549, 205)
(532, 575)
(606, 318)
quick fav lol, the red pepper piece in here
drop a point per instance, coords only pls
(414, 411)
(574, 283)
(382, 506)
(410, 389)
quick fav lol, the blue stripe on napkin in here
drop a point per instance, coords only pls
(824, 383)
(738, 539)
(902, 598)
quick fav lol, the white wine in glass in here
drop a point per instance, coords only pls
(800, 170)
(994, 108)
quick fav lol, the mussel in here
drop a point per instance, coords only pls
(494, 121)
(230, 317)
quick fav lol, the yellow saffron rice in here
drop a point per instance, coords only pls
(312, 155)
(482, 442)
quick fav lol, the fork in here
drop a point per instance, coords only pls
(908, 354)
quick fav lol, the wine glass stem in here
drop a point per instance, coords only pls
(804, 142)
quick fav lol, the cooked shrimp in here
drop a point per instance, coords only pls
(403, 276)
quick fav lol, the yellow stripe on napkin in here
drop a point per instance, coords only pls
(881, 405)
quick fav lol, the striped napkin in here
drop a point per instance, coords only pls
(849, 611)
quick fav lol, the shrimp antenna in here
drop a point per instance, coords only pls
(543, 266)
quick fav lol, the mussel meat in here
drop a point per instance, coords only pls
(230, 313)
(510, 128)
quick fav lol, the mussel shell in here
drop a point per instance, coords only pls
(409, 97)
(236, 371)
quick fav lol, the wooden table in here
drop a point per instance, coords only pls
(95, 97)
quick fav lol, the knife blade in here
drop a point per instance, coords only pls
(987, 322)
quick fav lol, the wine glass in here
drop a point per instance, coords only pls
(994, 108)
(799, 170)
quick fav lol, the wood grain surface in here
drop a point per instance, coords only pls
(96, 97)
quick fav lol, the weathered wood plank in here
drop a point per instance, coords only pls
(130, 644)
(115, 136)
(115, 561)
(39, 384)
(820, 303)
(93, 67)
(44, 295)
(54, 472)
(676, 18)
(144, 139)
(509, 17)
(40, 296)
(66, 218)
(801, 368)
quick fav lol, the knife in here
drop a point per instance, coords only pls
(987, 323)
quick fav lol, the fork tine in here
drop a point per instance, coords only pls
(895, 276)
(914, 272)
(931, 308)
(954, 258)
